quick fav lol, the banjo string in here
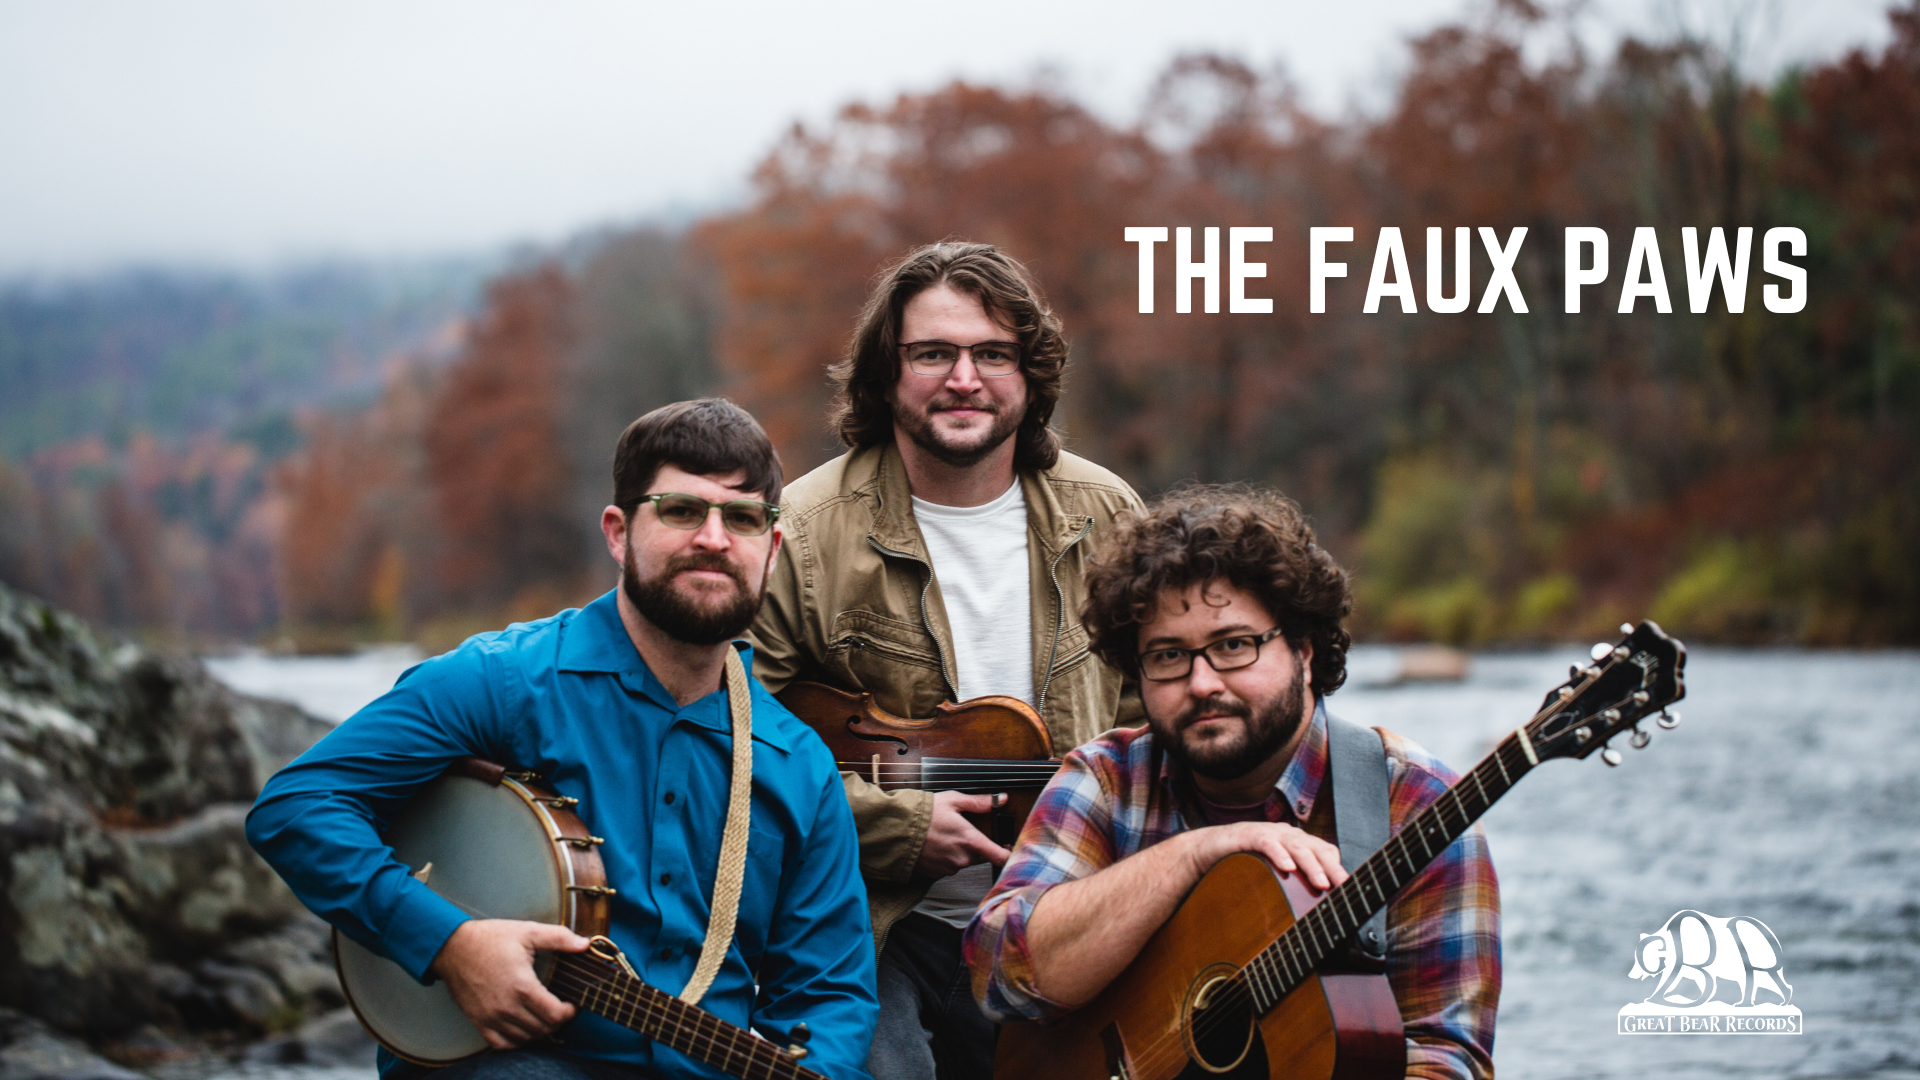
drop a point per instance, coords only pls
(695, 1023)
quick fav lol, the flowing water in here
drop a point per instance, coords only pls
(1790, 793)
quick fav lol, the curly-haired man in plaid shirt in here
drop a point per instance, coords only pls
(1231, 614)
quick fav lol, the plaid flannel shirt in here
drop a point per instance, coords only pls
(1116, 796)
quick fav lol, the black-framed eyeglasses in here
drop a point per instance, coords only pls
(990, 358)
(1171, 662)
(741, 517)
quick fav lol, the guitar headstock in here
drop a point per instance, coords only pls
(1638, 676)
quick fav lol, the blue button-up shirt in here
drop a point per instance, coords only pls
(570, 698)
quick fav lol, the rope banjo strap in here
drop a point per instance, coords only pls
(733, 839)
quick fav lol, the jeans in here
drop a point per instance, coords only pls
(930, 1029)
(522, 1063)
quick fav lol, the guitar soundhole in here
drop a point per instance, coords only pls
(1221, 1035)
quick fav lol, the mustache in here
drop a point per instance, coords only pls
(1215, 705)
(948, 404)
(705, 561)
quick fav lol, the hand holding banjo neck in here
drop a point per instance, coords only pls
(498, 844)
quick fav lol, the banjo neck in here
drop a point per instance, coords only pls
(603, 983)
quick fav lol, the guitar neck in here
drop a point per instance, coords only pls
(1339, 915)
(600, 986)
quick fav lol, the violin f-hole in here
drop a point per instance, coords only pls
(853, 730)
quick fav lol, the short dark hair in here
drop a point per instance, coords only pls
(861, 415)
(706, 437)
(1251, 538)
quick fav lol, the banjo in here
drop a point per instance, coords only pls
(499, 845)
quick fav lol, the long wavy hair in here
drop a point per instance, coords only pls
(861, 415)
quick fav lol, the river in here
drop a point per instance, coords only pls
(1790, 793)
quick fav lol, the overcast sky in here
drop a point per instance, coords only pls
(241, 132)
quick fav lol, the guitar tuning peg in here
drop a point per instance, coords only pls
(1626, 628)
(1640, 738)
(1609, 755)
(1573, 671)
(1600, 651)
(1668, 720)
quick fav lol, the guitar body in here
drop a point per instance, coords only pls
(986, 745)
(1143, 1026)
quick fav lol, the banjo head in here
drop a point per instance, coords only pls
(493, 852)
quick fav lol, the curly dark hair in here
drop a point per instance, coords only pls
(861, 415)
(1253, 539)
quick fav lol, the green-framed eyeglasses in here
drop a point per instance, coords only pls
(742, 517)
(1171, 662)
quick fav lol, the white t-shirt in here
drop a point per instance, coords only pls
(980, 559)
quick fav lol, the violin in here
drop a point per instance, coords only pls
(984, 746)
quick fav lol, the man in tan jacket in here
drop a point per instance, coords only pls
(941, 559)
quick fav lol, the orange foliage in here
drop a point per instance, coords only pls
(494, 457)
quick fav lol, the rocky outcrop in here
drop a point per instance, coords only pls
(130, 902)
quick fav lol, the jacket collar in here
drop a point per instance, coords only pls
(880, 475)
(595, 640)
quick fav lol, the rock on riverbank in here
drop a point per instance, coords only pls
(132, 912)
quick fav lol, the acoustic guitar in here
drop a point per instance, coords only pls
(499, 845)
(984, 746)
(1238, 981)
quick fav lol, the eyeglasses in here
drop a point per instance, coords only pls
(1228, 654)
(742, 517)
(990, 358)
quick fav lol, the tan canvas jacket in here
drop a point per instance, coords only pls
(852, 603)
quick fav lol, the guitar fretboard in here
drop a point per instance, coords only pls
(598, 985)
(1284, 964)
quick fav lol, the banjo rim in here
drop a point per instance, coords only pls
(582, 876)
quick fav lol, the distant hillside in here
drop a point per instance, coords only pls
(175, 353)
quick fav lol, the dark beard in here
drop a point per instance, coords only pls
(682, 619)
(920, 429)
(1266, 733)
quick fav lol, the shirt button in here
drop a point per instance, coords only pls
(1299, 808)
(669, 798)
(668, 953)
(666, 879)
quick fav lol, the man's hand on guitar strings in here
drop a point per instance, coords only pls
(1286, 848)
(487, 965)
(953, 844)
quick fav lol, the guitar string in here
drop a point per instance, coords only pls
(1280, 967)
(1285, 980)
(1275, 966)
(696, 1024)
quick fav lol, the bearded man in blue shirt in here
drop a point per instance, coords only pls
(622, 705)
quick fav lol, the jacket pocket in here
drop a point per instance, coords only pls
(894, 660)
